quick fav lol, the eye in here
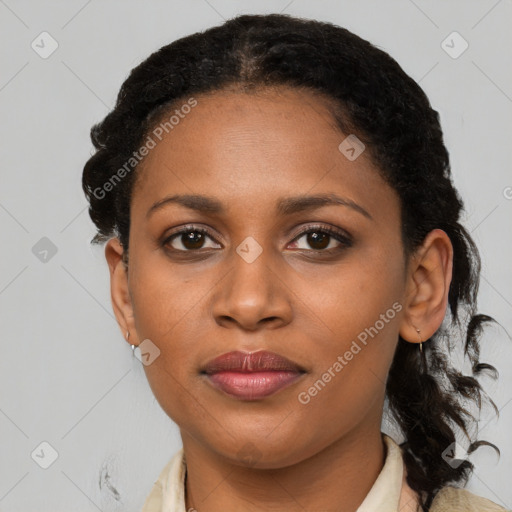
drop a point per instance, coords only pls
(190, 238)
(322, 239)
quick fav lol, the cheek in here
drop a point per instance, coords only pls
(350, 368)
(348, 298)
(358, 308)
(163, 301)
(163, 307)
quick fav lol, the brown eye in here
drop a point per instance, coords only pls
(321, 239)
(318, 240)
(190, 239)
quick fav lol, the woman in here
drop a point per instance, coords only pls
(284, 244)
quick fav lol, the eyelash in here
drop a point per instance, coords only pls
(344, 240)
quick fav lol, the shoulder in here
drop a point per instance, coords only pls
(167, 492)
(454, 499)
(153, 501)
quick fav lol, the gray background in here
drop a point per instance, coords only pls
(67, 376)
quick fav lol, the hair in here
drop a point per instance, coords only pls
(372, 97)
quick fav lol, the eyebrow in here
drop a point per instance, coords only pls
(285, 206)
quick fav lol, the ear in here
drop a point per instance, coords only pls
(428, 284)
(119, 291)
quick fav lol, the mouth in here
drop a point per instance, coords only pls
(251, 376)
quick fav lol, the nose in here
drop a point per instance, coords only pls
(253, 295)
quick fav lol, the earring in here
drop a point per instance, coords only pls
(127, 336)
(421, 343)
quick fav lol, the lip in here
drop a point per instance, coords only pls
(252, 375)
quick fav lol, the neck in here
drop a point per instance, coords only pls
(342, 473)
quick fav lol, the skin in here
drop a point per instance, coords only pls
(247, 151)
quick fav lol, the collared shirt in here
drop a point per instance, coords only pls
(389, 493)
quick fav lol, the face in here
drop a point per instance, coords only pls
(249, 276)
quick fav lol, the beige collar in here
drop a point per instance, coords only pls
(389, 493)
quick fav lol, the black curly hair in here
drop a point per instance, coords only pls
(371, 96)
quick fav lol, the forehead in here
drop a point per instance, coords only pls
(249, 149)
